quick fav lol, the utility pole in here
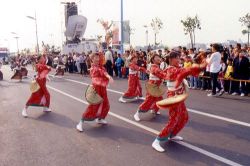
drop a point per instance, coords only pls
(122, 33)
(35, 19)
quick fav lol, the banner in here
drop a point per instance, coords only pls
(115, 39)
(126, 32)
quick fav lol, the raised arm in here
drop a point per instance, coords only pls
(194, 71)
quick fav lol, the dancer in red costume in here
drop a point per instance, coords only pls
(134, 91)
(60, 68)
(17, 70)
(100, 80)
(41, 97)
(178, 115)
(156, 77)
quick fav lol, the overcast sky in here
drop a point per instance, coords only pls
(219, 19)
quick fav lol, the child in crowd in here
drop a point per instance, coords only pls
(228, 75)
(119, 63)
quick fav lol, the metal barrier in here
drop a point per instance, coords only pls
(229, 79)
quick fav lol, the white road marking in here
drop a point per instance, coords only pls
(190, 110)
(187, 145)
(220, 118)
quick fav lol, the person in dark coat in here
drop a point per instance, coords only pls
(241, 72)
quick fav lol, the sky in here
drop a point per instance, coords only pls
(219, 20)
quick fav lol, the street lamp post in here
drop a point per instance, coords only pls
(122, 33)
(145, 26)
(35, 19)
(16, 37)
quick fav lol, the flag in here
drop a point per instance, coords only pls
(115, 39)
(126, 32)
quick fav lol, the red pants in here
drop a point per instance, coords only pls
(150, 103)
(41, 97)
(92, 112)
(178, 117)
(134, 87)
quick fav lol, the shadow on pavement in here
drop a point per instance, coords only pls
(119, 133)
(56, 119)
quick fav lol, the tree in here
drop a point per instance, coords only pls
(245, 21)
(190, 26)
(108, 32)
(156, 25)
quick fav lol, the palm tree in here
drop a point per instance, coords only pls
(156, 25)
(245, 20)
(190, 25)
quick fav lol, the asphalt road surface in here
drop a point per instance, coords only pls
(218, 131)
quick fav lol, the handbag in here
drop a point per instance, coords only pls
(34, 86)
(155, 90)
(92, 97)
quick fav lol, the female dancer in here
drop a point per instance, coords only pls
(24, 71)
(41, 97)
(178, 115)
(134, 91)
(156, 77)
(100, 80)
(60, 68)
(17, 70)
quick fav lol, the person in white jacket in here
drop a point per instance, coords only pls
(215, 67)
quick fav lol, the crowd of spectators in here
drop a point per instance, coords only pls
(228, 68)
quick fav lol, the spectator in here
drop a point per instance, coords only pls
(78, 61)
(71, 63)
(187, 62)
(160, 53)
(85, 64)
(206, 82)
(65, 62)
(241, 72)
(119, 63)
(191, 53)
(164, 63)
(115, 67)
(228, 75)
(142, 63)
(221, 73)
(109, 61)
(195, 82)
(126, 63)
(82, 66)
(215, 67)
(74, 62)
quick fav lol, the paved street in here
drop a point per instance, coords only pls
(218, 132)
